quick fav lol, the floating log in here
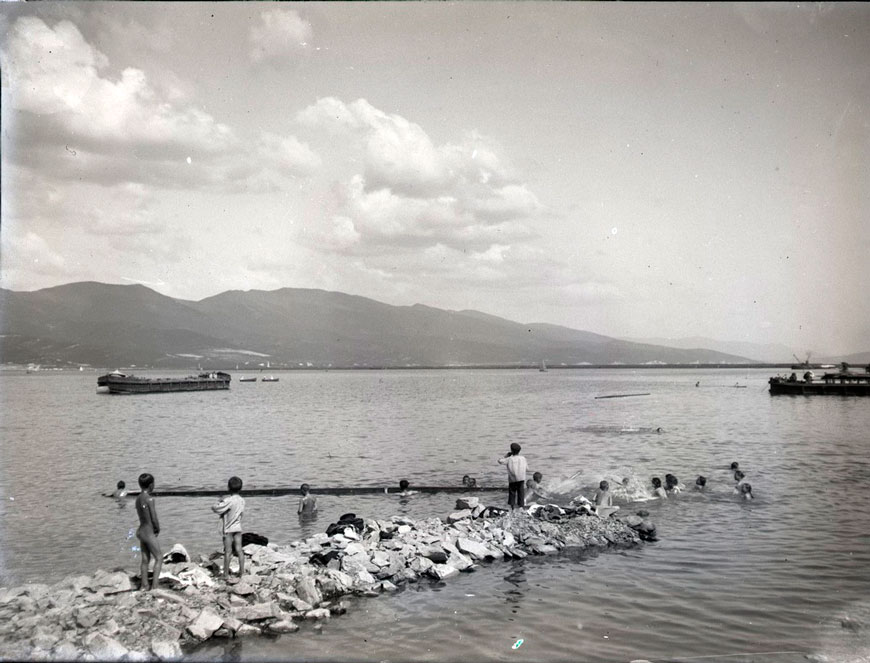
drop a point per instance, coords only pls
(340, 490)
(621, 395)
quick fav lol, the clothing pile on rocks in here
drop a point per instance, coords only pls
(101, 617)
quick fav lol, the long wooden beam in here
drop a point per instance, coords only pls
(341, 490)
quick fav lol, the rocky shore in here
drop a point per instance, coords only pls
(102, 617)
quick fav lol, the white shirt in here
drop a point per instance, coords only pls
(230, 510)
(516, 467)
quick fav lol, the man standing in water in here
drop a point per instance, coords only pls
(516, 467)
(149, 528)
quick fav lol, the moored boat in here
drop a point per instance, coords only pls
(842, 383)
(271, 378)
(248, 378)
(121, 383)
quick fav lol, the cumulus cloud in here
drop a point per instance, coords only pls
(75, 122)
(57, 75)
(457, 203)
(280, 33)
(288, 154)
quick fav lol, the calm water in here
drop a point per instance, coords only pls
(775, 575)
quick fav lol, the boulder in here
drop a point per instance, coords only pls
(86, 617)
(435, 553)
(299, 605)
(166, 650)
(308, 592)
(365, 577)
(474, 548)
(242, 588)
(255, 612)
(387, 586)
(456, 516)
(44, 639)
(421, 565)
(232, 623)
(319, 613)
(404, 529)
(442, 571)
(283, 626)
(103, 647)
(380, 558)
(467, 503)
(110, 627)
(459, 561)
(355, 548)
(66, 651)
(206, 623)
(633, 521)
(246, 630)
(118, 581)
(350, 533)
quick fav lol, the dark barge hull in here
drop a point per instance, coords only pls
(780, 386)
(129, 384)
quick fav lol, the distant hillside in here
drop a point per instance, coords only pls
(122, 325)
(773, 353)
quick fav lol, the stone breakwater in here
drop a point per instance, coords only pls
(101, 617)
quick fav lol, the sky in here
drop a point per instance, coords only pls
(635, 170)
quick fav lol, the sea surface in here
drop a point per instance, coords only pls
(771, 580)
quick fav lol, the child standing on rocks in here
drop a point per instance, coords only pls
(516, 467)
(149, 528)
(230, 510)
(307, 503)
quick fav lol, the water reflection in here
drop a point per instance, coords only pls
(519, 588)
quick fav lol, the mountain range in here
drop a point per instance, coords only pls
(103, 325)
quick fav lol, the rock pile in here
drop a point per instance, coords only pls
(100, 617)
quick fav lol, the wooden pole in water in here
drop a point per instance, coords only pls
(340, 490)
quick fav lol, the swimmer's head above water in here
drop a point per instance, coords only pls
(656, 482)
(735, 466)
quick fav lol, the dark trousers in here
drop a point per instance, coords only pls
(517, 493)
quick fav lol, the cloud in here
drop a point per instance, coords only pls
(281, 33)
(400, 155)
(409, 193)
(287, 153)
(73, 122)
(32, 254)
(55, 74)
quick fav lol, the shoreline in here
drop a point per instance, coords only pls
(103, 617)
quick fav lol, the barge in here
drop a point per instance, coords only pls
(842, 383)
(121, 383)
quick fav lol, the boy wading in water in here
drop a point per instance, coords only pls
(149, 528)
(230, 510)
(307, 503)
(516, 467)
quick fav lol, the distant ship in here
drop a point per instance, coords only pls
(121, 383)
(842, 383)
